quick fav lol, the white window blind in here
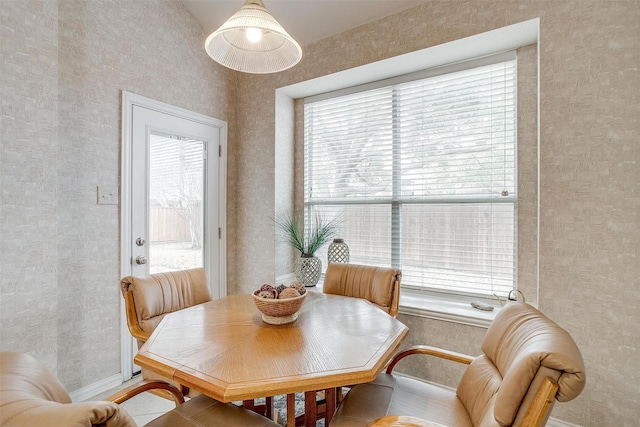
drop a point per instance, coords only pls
(422, 174)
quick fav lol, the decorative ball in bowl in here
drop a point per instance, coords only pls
(279, 305)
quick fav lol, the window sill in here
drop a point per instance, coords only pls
(456, 309)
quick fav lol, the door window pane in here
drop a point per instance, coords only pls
(176, 203)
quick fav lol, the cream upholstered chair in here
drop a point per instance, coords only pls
(379, 285)
(149, 298)
(528, 363)
(31, 396)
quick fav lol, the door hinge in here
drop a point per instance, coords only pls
(219, 233)
(219, 150)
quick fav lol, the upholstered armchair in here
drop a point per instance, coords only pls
(379, 285)
(528, 363)
(31, 396)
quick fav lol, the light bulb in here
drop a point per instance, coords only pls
(254, 35)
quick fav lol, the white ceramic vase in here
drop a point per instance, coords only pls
(338, 252)
(308, 270)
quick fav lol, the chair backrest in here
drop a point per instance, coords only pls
(379, 285)
(149, 298)
(30, 395)
(523, 352)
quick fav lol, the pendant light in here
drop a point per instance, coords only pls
(252, 41)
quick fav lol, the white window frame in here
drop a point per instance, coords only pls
(388, 98)
(495, 41)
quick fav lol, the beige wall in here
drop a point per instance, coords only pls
(589, 176)
(64, 65)
(28, 179)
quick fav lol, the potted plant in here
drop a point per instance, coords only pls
(308, 267)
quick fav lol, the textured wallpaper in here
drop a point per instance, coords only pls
(28, 179)
(64, 65)
(589, 178)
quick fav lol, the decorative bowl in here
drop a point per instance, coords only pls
(279, 311)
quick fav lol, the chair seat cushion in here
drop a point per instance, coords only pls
(204, 411)
(398, 395)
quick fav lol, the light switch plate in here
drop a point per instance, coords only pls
(107, 196)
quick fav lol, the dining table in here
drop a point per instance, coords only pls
(225, 350)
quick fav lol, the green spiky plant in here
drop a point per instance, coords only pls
(322, 231)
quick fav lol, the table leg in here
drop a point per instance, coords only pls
(250, 405)
(310, 409)
(291, 410)
(268, 411)
(315, 409)
(330, 405)
(265, 409)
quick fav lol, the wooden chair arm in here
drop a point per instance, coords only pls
(541, 406)
(146, 385)
(432, 351)
(395, 295)
(132, 318)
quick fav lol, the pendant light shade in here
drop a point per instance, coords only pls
(252, 41)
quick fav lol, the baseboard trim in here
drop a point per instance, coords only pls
(96, 388)
(554, 422)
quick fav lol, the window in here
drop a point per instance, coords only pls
(422, 172)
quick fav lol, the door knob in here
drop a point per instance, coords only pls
(140, 241)
(141, 259)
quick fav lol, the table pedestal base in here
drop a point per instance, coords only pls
(314, 409)
(265, 409)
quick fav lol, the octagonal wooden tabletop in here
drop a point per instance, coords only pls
(223, 348)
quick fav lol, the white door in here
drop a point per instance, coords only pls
(172, 195)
